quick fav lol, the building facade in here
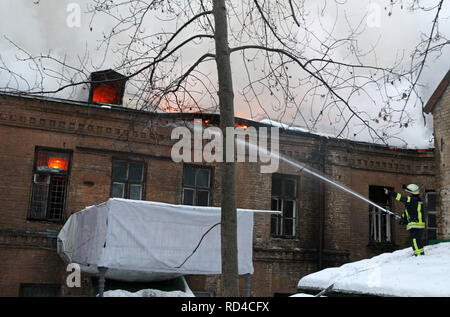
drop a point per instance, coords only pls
(439, 107)
(59, 156)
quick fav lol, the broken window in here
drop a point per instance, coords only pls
(196, 185)
(284, 199)
(49, 185)
(128, 179)
(430, 207)
(380, 223)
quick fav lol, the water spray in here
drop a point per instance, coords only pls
(303, 168)
(325, 179)
(306, 169)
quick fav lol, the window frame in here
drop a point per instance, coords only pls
(432, 212)
(51, 174)
(196, 188)
(375, 236)
(281, 198)
(127, 183)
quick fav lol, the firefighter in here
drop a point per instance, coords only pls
(412, 217)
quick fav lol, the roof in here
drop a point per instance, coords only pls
(107, 75)
(214, 118)
(437, 94)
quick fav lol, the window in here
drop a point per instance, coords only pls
(127, 179)
(430, 208)
(49, 185)
(284, 199)
(380, 223)
(196, 185)
(39, 290)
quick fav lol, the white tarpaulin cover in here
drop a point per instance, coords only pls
(143, 240)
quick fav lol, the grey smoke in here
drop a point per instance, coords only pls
(42, 28)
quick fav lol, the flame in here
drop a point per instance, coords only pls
(106, 94)
(243, 126)
(58, 162)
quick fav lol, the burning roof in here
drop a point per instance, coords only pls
(108, 87)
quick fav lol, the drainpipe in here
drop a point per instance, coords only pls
(321, 198)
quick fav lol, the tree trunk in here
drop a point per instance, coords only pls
(230, 276)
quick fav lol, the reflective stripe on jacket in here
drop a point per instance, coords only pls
(413, 210)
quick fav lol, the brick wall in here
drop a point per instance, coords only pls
(96, 136)
(441, 121)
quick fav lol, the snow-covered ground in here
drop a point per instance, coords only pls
(390, 274)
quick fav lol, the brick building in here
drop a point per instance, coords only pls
(59, 156)
(439, 106)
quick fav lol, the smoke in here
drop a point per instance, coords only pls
(44, 28)
(398, 32)
(387, 35)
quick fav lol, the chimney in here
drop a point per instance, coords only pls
(108, 87)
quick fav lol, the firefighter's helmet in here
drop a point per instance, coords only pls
(413, 189)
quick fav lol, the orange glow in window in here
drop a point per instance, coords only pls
(58, 162)
(106, 94)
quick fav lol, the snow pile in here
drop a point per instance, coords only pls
(302, 295)
(389, 274)
(150, 292)
(147, 293)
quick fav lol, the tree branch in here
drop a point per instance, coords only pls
(317, 77)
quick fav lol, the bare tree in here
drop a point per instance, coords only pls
(296, 68)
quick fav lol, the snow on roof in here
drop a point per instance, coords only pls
(390, 274)
(294, 128)
(417, 143)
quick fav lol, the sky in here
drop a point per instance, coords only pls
(42, 26)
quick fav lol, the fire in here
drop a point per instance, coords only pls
(58, 163)
(106, 94)
(243, 126)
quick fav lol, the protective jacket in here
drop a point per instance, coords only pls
(412, 216)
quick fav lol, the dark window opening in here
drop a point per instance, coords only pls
(196, 186)
(284, 199)
(49, 185)
(128, 180)
(380, 223)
